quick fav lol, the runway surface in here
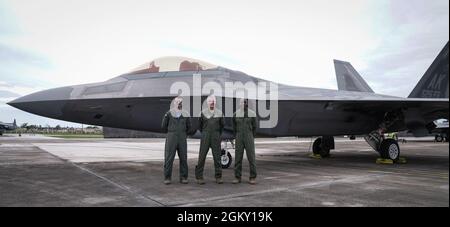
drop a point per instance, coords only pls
(42, 171)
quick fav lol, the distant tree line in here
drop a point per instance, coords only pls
(47, 129)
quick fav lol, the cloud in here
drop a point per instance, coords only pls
(57, 43)
(8, 94)
(293, 42)
(23, 67)
(10, 91)
(14, 55)
(412, 33)
(7, 23)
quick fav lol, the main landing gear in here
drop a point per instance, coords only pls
(387, 148)
(323, 145)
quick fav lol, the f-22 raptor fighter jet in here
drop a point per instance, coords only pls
(139, 99)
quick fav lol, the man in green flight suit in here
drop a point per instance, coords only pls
(177, 124)
(244, 123)
(211, 125)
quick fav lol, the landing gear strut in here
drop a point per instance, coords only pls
(323, 145)
(387, 148)
(226, 158)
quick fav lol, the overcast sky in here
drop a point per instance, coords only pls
(50, 43)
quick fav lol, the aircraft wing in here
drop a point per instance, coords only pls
(335, 116)
(428, 109)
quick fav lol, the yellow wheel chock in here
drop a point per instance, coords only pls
(384, 161)
(315, 156)
(401, 160)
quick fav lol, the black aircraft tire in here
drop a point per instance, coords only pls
(439, 138)
(318, 150)
(226, 159)
(317, 146)
(390, 150)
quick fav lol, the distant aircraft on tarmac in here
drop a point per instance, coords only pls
(7, 127)
(440, 130)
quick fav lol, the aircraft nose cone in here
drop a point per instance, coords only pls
(48, 103)
(61, 93)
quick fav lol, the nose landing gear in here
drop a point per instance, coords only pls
(226, 158)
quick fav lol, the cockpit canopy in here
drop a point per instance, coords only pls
(172, 64)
